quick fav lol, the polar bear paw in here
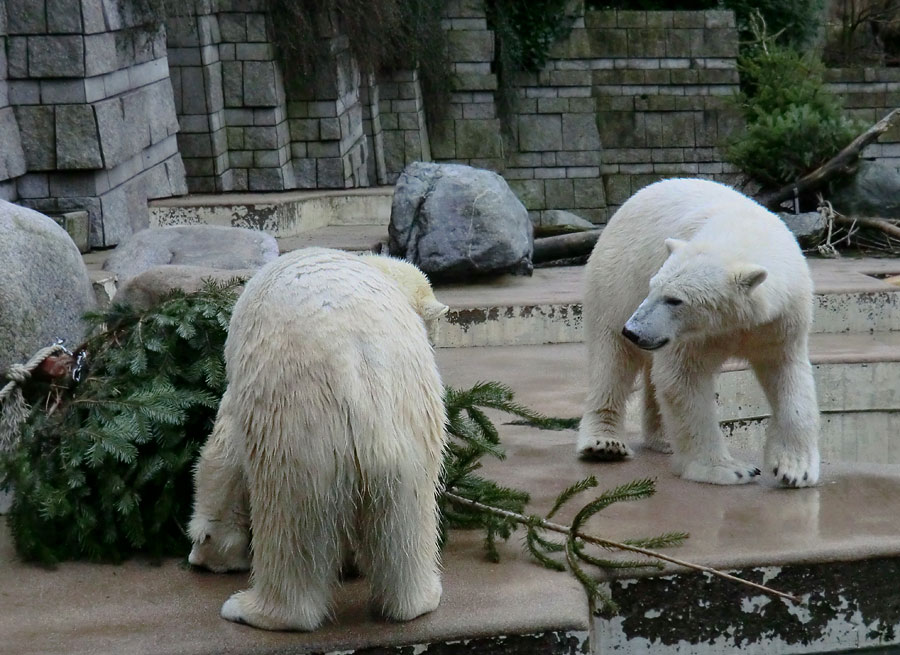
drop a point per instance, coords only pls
(794, 469)
(406, 607)
(603, 449)
(240, 608)
(724, 471)
(657, 442)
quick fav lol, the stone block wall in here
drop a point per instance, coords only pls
(663, 99)
(471, 132)
(627, 98)
(230, 98)
(328, 140)
(88, 83)
(869, 94)
(401, 116)
(12, 156)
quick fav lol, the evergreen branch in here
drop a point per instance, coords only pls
(554, 423)
(609, 543)
(567, 494)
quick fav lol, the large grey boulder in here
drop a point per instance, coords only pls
(807, 227)
(455, 221)
(209, 246)
(873, 191)
(146, 289)
(44, 285)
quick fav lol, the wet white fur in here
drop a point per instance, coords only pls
(746, 292)
(335, 405)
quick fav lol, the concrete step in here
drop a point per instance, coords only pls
(850, 297)
(837, 546)
(282, 214)
(857, 382)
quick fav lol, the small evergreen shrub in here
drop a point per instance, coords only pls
(102, 469)
(796, 22)
(794, 124)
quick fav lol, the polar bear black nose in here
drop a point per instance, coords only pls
(628, 334)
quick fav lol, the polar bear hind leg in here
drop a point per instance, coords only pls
(398, 537)
(297, 548)
(651, 418)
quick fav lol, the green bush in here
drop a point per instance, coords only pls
(794, 124)
(107, 472)
(797, 21)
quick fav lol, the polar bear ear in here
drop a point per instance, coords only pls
(749, 276)
(674, 245)
(432, 309)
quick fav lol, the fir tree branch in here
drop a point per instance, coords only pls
(609, 543)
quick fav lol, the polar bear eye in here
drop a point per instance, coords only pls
(672, 301)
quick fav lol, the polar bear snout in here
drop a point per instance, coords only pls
(642, 342)
(643, 329)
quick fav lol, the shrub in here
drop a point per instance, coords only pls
(102, 469)
(797, 21)
(794, 124)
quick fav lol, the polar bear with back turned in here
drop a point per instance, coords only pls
(332, 427)
(725, 279)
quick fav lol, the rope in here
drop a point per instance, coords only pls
(13, 408)
(19, 373)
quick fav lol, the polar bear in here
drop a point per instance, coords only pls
(334, 416)
(220, 526)
(414, 284)
(726, 279)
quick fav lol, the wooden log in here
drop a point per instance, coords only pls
(564, 246)
(875, 223)
(837, 164)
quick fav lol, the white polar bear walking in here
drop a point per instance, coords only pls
(334, 412)
(726, 278)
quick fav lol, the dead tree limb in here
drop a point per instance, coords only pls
(617, 545)
(837, 164)
(564, 246)
(875, 223)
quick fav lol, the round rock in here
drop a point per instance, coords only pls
(146, 289)
(209, 246)
(455, 221)
(44, 285)
(873, 191)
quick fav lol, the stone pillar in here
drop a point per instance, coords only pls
(328, 142)
(403, 122)
(255, 102)
(471, 132)
(370, 98)
(196, 71)
(12, 157)
(89, 84)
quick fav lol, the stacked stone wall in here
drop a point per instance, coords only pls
(627, 98)
(471, 133)
(869, 94)
(89, 85)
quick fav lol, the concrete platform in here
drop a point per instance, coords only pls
(281, 214)
(849, 521)
(546, 308)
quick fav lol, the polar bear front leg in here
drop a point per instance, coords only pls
(686, 392)
(792, 436)
(612, 369)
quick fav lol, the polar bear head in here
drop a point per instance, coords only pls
(696, 293)
(414, 284)
(219, 529)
